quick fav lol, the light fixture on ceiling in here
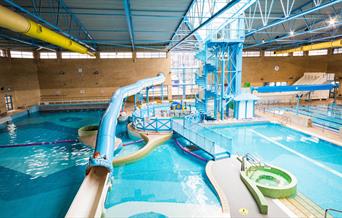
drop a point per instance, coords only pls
(332, 21)
(291, 33)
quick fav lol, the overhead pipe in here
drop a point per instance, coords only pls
(20, 24)
(322, 45)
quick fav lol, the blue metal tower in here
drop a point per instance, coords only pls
(220, 79)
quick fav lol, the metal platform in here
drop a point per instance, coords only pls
(216, 145)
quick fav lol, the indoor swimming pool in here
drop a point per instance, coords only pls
(48, 175)
(166, 177)
(315, 163)
(165, 180)
(327, 116)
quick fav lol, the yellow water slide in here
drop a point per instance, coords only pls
(333, 44)
(20, 24)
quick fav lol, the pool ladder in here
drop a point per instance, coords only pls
(330, 209)
(252, 160)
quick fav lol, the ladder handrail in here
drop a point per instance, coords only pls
(331, 209)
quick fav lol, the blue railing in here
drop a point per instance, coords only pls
(150, 118)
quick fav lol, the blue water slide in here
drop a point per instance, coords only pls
(104, 150)
(314, 87)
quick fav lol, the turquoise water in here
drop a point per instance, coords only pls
(165, 175)
(317, 164)
(41, 181)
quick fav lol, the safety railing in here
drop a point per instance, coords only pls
(326, 212)
(206, 138)
(193, 136)
(151, 110)
(152, 117)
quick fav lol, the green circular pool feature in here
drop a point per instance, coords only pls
(272, 181)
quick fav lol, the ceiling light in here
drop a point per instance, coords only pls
(332, 21)
(291, 33)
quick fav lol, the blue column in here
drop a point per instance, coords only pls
(238, 67)
(222, 83)
(135, 102)
(162, 92)
(147, 97)
(184, 87)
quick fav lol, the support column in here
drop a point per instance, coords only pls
(184, 87)
(147, 97)
(162, 92)
(223, 66)
(216, 97)
(135, 101)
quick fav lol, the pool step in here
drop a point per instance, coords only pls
(222, 155)
(303, 207)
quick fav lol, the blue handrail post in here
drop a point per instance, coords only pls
(184, 87)
(147, 97)
(162, 92)
(135, 102)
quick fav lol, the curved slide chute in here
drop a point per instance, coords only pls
(91, 196)
(104, 149)
(152, 141)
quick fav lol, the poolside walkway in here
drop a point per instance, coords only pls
(235, 198)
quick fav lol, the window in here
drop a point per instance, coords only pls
(108, 55)
(338, 51)
(48, 55)
(74, 55)
(187, 59)
(151, 54)
(318, 52)
(272, 54)
(298, 53)
(275, 84)
(2, 53)
(184, 67)
(251, 54)
(9, 102)
(22, 54)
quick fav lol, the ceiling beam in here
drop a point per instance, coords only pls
(303, 13)
(295, 35)
(183, 18)
(74, 18)
(22, 41)
(206, 22)
(127, 8)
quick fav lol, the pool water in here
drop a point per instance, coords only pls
(317, 164)
(41, 181)
(165, 175)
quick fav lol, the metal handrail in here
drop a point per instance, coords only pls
(331, 209)
(252, 160)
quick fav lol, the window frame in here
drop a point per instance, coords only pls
(21, 54)
(48, 55)
(75, 56)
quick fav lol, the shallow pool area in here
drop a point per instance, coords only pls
(41, 181)
(315, 163)
(165, 176)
